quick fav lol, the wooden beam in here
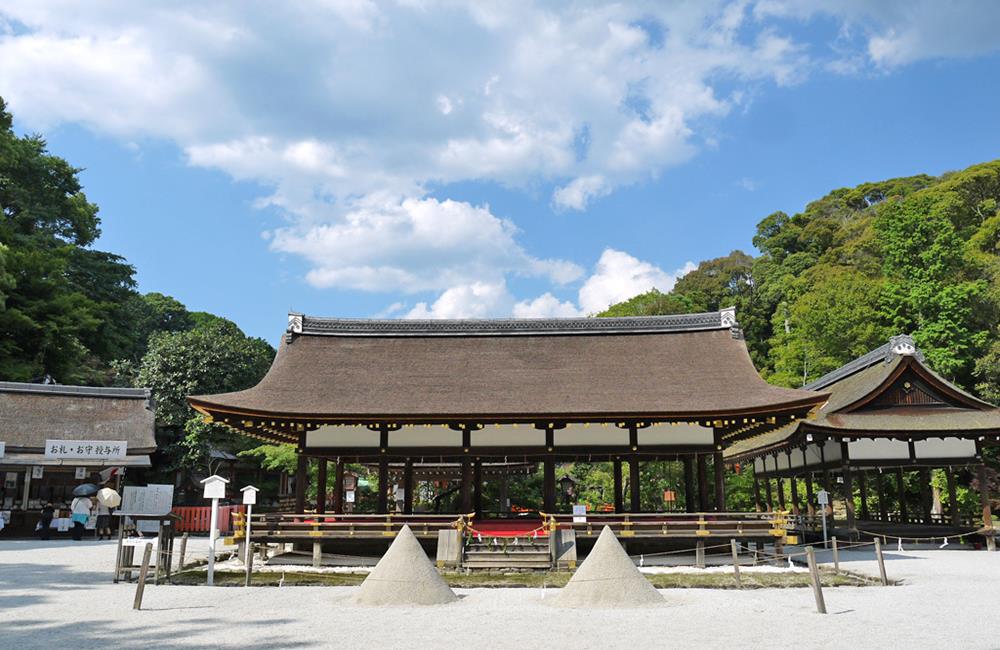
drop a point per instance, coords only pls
(408, 487)
(477, 487)
(810, 496)
(702, 483)
(301, 477)
(689, 490)
(883, 507)
(338, 487)
(719, 470)
(465, 489)
(956, 519)
(924, 475)
(768, 493)
(383, 486)
(549, 485)
(321, 485)
(984, 496)
(848, 476)
(780, 485)
(756, 493)
(616, 470)
(901, 494)
(633, 476)
(863, 493)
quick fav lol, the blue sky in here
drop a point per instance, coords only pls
(445, 160)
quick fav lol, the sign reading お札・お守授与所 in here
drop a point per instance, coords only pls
(89, 449)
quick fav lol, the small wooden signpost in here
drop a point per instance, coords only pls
(215, 489)
(143, 570)
(815, 580)
(249, 499)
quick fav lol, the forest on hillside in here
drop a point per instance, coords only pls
(918, 255)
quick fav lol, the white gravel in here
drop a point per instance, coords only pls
(60, 594)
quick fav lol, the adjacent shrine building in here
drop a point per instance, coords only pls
(474, 393)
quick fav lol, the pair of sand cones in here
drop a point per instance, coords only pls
(607, 578)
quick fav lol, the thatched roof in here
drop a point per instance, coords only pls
(692, 365)
(30, 414)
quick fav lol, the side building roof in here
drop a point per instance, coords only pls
(851, 409)
(30, 414)
(575, 369)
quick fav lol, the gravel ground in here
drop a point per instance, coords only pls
(60, 594)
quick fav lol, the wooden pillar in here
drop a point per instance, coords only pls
(383, 485)
(616, 470)
(956, 519)
(702, 484)
(827, 484)
(852, 524)
(924, 476)
(465, 490)
(984, 496)
(901, 490)
(301, 477)
(780, 485)
(719, 469)
(477, 487)
(338, 487)
(883, 507)
(796, 506)
(502, 490)
(690, 502)
(768, 493)
(756, 492)
(549, 485)
(810, 496)
(321, 485)
(863, 493)
(633, 484)
(408, 487)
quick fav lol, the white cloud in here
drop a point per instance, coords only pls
(476, 300)
(545, 306)
(579, 192)
(416, 245)
(619, 276)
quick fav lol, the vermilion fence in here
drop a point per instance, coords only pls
(197, 519)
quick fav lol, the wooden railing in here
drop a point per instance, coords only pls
(815, 522)
(697, 524)
(276, 527)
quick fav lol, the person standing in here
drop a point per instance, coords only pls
(103, 521)
(80, 509)
(45, 521)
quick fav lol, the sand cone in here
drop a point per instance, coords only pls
(607, 578)
(404, 576)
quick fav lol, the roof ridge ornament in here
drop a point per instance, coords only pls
(294, 325)
(727, 317)
(902, 345)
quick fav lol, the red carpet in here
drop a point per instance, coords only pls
(522, 527)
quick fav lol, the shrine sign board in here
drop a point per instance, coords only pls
(86, 449)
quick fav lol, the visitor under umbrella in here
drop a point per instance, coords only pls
(81, 507)
(106, 500)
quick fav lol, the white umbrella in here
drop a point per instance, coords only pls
(108, 497)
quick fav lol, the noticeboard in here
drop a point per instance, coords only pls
(154, 499)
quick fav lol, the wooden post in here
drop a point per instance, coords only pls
(633, 484)
(549, 485)
(956, 519)
(814, 579)
(184, 545)
(408, 487)
(616, 470)
(301, 477)
(863, 493)
(465, 490)
(810, 497)
(690, 502)
(883, 507)
(736, 563)
(719, 470)
(836, 555)
(881, 561)
(702, 483)
(141, 585)
(383, 486)
(317, 555)
(768, 494)
(796, 505)
(477, 487)
(901, 491)
(338, 487)
(984, 500)
(780, 484)
(699, 554)
(848, 476)
(924, 475)
(756, 493)
(321, 485)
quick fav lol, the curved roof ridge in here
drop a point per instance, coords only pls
(312, 325)
(899, 345)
